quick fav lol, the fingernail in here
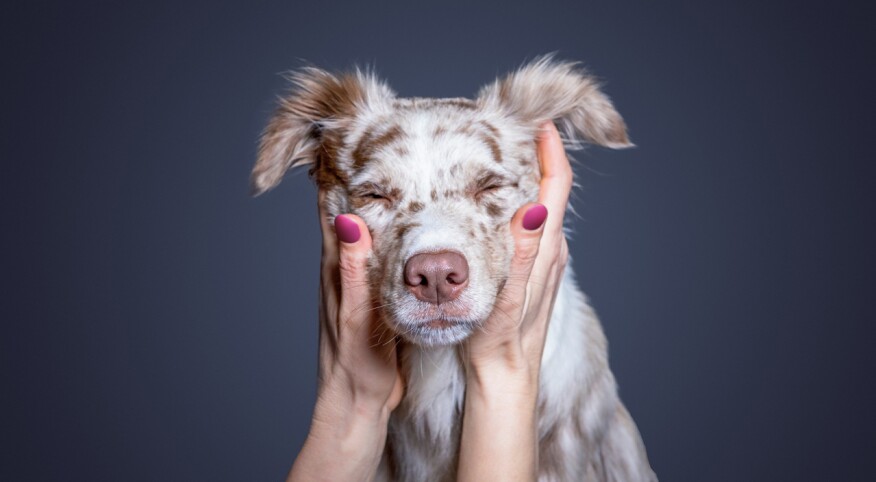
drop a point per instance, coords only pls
(347, 229)
(534, 217)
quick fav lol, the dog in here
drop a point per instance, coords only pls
(435, 177)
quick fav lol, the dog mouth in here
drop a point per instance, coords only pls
(438, 324)
(433, 328)
(438, 316)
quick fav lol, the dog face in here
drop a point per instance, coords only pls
(436, 180)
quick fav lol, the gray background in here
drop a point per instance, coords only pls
(158, 324)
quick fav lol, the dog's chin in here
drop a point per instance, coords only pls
(437, 332)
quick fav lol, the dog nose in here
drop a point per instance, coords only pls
(436, 277)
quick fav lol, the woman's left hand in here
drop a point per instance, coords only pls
(503, 360)
(513, 335)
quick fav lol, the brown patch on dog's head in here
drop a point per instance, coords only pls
(415, 206)
(371, 143)
(305, 128)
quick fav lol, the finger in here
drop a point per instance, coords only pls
(329, 289)
(556, 175)
(527, 227)
(354, 249)
(329, 240)
(546, 276)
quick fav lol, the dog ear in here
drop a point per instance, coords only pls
(546, 89)
(317, 102)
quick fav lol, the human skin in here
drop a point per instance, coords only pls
(499, 432)
(359, 381)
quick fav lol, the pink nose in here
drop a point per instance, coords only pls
(436, 277)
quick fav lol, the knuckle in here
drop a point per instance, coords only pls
(351, 265)
(564, 253)
(563, 173)
(526, 250)
(562, 263)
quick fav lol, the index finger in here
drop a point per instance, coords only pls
(556, 175)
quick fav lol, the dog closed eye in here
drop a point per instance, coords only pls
(489, 184)
(371, 192)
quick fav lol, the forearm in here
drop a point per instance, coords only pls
(499, 438)
(345, 442)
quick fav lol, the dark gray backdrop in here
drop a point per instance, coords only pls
(158, 324)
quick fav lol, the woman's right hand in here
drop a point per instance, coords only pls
(357, 357)
(359, 381)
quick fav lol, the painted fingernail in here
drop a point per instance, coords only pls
(534, 217)
(347, 229)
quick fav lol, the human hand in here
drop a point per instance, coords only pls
(504, 358)
(514, 334)
(359, 381)
(357, 358)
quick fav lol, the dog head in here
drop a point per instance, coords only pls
(436, 180)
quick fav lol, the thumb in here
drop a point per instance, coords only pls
(354, 250)
(527, 227)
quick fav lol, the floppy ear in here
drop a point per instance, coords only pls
(297, 133)
(546, 89)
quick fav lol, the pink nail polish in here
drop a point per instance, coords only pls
(534, 217)
(347, 229)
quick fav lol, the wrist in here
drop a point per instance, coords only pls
(502, 359)
(348, 425)
(339, 404)
(341, 390)
(499, 379)
(353, 433)
(491, 447)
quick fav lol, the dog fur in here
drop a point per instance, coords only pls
(447, 174)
